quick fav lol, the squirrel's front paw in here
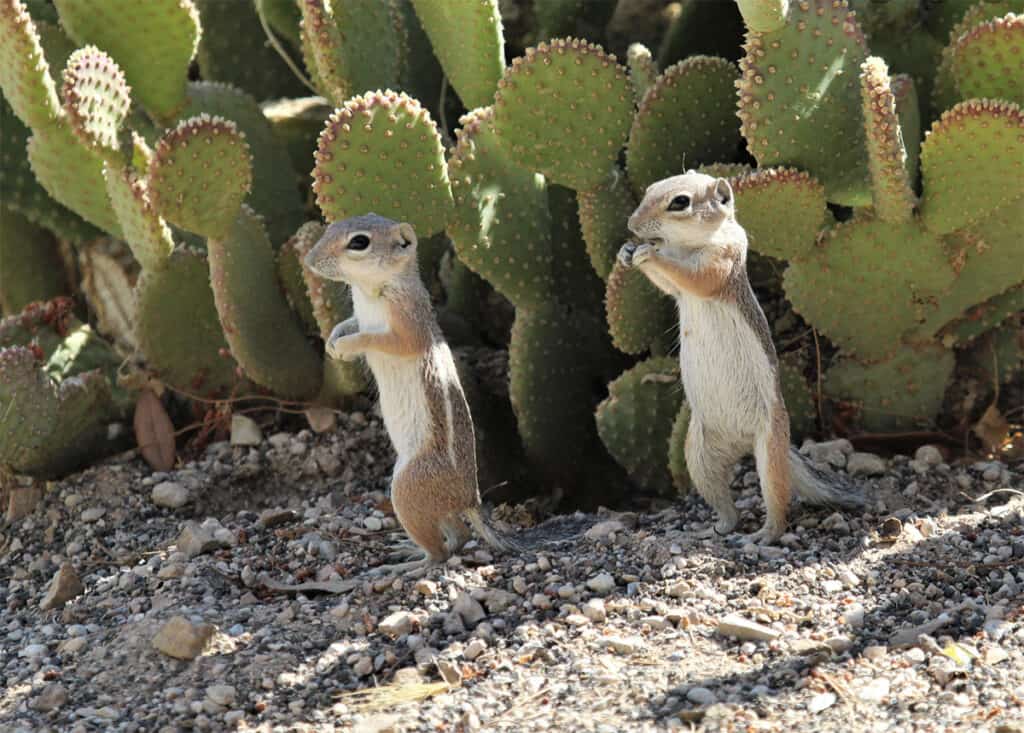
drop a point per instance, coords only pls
(642, 253)
(342, 348)
(626, 253)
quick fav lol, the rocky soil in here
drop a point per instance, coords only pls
(132, 601)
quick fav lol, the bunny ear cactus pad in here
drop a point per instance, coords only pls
(642, 69)
(24, 74)
(96, 99)
(987, 315)
(972, 162)
(799, 95)
(500, 224)
(677, 451)
(635, 421)
(261, 329)
(200, 173)
(474, 57)
(781, 209)
(640, 317)
(564, 109)
(177, 327)
(673, 131)
(30, 264)
(603, 213)
(135, 34)
(764, 15)
(986, 60)
(891, 194)
(382, 152)
(145, 232)
(901, 393)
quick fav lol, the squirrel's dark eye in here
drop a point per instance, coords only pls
(679, 203)
(359, 242)
(405, 243)
(723, 198)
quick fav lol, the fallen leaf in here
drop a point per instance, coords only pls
(154, 432)
(993, 429)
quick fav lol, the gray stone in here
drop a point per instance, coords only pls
(474, 649)
(601, 530)
(469, 610)
(221, 694)
(181, 639)
(397, 624)
(64, 586)
(701, 696)
(624, 644)
(374, 524)
(170, 494)
(50, 698)
(865, 464)
(273, 517)
(832, 452)
(594, 610)
(93, 513)
(196, 539)
(738, 627)
(602, 583)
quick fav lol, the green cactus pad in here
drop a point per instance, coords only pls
(274, 195)
(891, 194)
(382, 153)
(283, 17)
(671, 133)
(764, 16)
(902, 393)
(145, 232)
(576, 283)
(233, 48)
(564, 109)
(800, 95)
(96, 99)
(798, 395)
(972, 162)
(985, 316)
(500, 225)
(331, 304)
(72, 174)
(297, 124)
(293, 282)
(642, 70)
(704, 28)
(351, 46)
(986, 60)
(137, 34)
(264, 334)
(200, 173)
(639, 315)
(781, 209)
(908, 111)
(677, 451)
(177, 326)
(868, 307)
(473, 58)
(603, 213)
(24, 74)
(635, 421)
(21, 190)
(30, 263)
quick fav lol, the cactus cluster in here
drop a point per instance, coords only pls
(874, 150)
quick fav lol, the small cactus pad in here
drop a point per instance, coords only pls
(986, 316)
(145, 232)
(673, 132)
(987, 60)
(177, 327)
(96, 98)
(639, 315)
(642, 69)
(382, 153)
(764, 15)
(636, 420)
(603, 213)
(263, 332)
(972, 162)
(798, 395)
(902, 393)
(799, 94)
(500, 225)
(867, 308)
(72, 174)
(274, 195)
(781, 209)
(564, 109)
(30, 264)
(24, 74)
(200, 174)
(677, 451)
(153, 42)
(891, 194)
(908, 111)
(354, 45)
(474, 57)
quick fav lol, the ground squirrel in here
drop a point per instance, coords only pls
(692, 248)
(434, 485)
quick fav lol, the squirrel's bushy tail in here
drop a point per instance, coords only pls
(816, 486)
(490, 534)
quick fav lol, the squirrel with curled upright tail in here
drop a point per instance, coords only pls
(692, 248)
(434, 485)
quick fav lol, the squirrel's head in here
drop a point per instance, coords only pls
(690, 210)
(366, 251)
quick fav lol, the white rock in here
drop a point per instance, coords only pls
(363, 666)
(624, 644)
(876, 652)
(738, 627)
(64, 586)
(594, 610)
(181, 639)
(832, 452)
(701, 696)
(865, 464)
(196, 539)
(854, 615)
(221, 694)
(540, 601)
(839, 644)
(321, 419)
(577, 619)
(821, 702)
(678, 589)
(33, 651)
(245, 431)
(374, 524)
(170, 494)
(93, 513)
(602, 583)
(397, 624)
(875, 691)
(604, 529)
(832, 586)
(474, 649)
(469, 610)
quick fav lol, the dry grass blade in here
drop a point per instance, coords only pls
(382, 698)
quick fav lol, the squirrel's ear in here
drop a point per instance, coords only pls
(407, 233)
(723, 192)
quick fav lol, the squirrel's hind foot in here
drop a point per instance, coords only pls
(412, 567)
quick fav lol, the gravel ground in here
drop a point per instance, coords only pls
(132, 601)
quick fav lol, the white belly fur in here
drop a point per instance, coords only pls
(729, 382)
(403, 403)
